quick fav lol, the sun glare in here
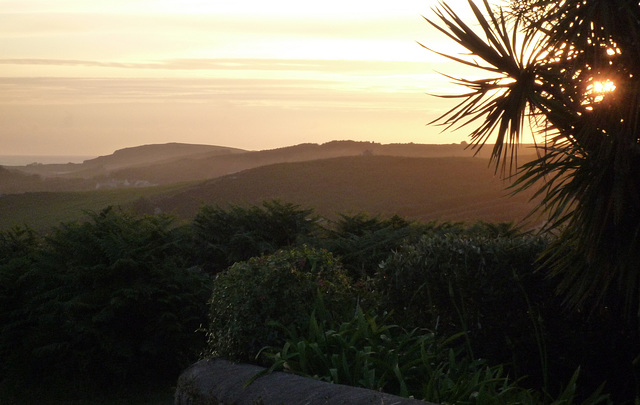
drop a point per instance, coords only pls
(597, 90)
(603, 87)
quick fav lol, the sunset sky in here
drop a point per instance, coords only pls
(87, 77)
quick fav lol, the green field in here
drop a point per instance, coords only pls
(43, 210)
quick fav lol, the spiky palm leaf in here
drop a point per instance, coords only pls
(501, 101)
(589, 165)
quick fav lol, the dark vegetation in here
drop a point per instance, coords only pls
(99, 306)
(570, 69)
(118, 304)
(452, 313)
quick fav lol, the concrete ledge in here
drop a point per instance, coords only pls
(220, 382)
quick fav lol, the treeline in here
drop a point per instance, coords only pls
(120, 303)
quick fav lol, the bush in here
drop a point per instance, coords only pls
(224, 237)
(17, 244)
(281, 288)
(17, 253)
(102, 307)
(459, 278)
(362, 242)
(490, 286)
(482, 285)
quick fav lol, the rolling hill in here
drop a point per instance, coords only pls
(202, 167)
(420, 182)
(176, 162)
(13, 181)
(425, 189)
(145, 155)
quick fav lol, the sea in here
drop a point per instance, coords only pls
(23, 160)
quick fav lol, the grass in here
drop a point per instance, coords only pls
(43, 210)
(422, 189)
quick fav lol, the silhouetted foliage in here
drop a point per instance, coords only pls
(362, 242)
(16, 244)
(103, 306)
(226, 236)
(571, 69)
(487, 287)
(113, 303)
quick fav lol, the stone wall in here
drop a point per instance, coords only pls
(220, 382)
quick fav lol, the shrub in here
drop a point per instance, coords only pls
(362, 242)
(104, 306)
(482, 285)
(458, 277)
(17, 244)
(225, 236)
(488, 286)
(281, 287)
(17, 253)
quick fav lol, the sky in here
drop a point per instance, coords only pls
(82, 77)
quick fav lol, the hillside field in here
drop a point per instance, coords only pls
(424, 189)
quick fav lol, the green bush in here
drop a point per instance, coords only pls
(282, 288)
(362, 242)
(101, 307)
(482, 285)
(17, 244)
(223, 237)
(17, 253)
(489, 285)
(459, 279)
(368, 352)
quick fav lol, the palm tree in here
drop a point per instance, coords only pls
(569, 69)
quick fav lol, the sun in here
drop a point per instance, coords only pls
(598, 89)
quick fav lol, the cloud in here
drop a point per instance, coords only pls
(34, 24)
(105, 114)
(134, 36)
(338, 76)
(85, 63)
(309, 65)
(297, 94)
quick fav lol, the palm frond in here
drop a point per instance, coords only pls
(501, 102)
(586, 173)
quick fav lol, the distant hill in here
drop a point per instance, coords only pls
(420, 182)
(14, 181)
(145, 155)
(425, 189)
(207, 167)
(176, 162)
(158, 153)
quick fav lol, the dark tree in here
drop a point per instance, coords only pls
(223, 236)
(570, 69)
